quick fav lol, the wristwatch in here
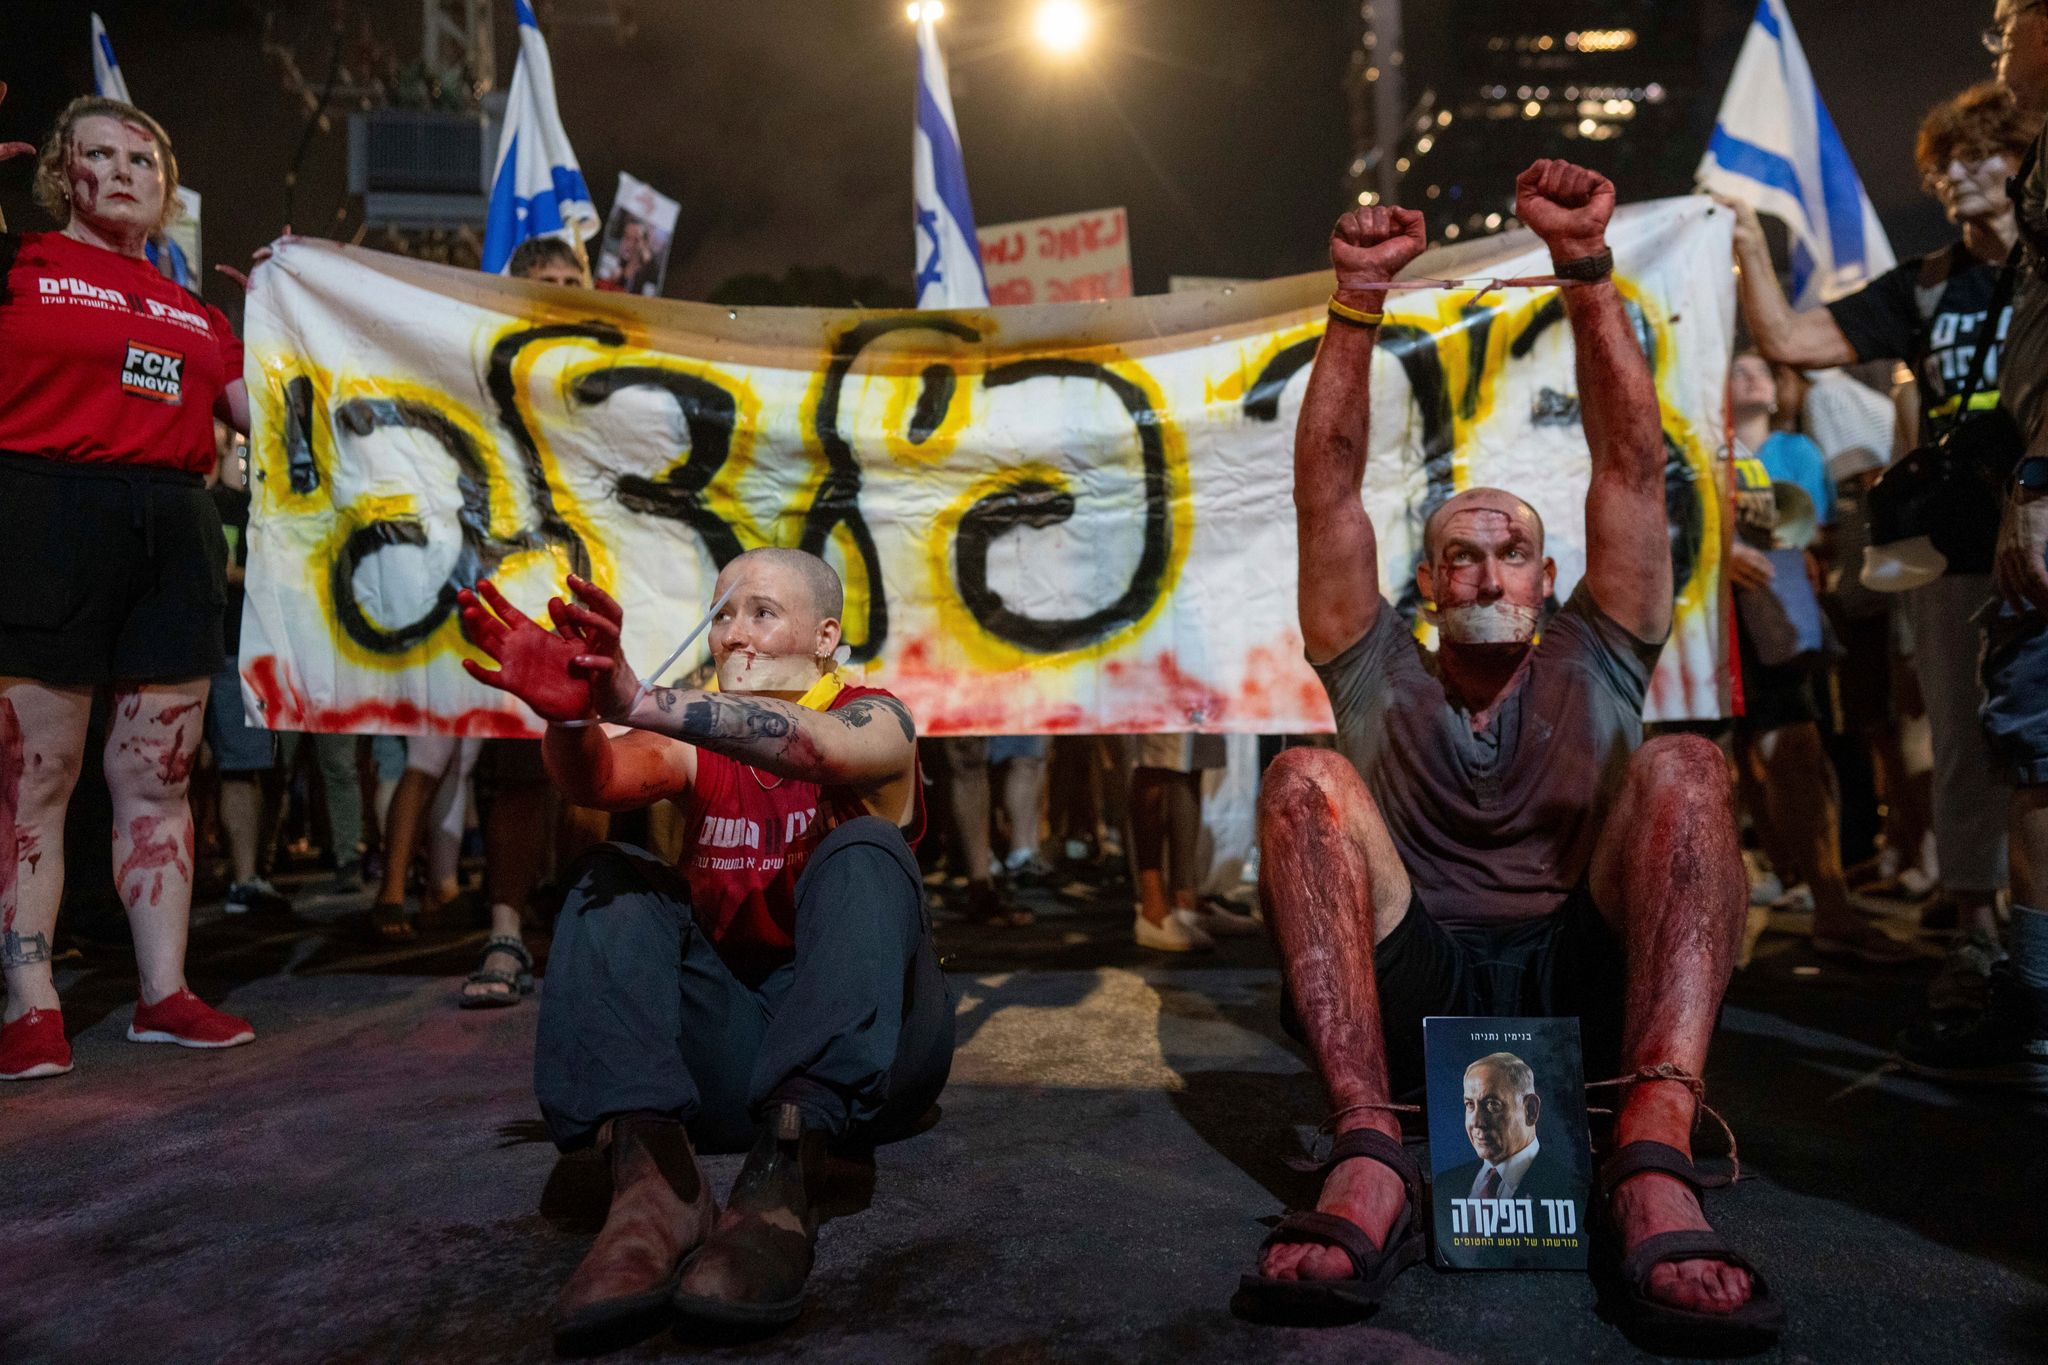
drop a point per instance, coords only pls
(2030, 476)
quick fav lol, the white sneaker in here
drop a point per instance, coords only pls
(1181, 933)
(1220, 923)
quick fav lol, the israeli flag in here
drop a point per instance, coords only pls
(538, 190)
(1775, 146)
(948, 258)
(107, 81)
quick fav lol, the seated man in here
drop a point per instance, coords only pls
(1495, 837)
(777, 991)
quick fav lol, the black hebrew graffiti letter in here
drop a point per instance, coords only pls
(709, 414)
(836, 506)
(1036, 504)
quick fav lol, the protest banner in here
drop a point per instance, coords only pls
(1066, 518)
(634, 256)
(1068, 258)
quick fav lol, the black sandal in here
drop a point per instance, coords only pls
(518, 985)
(1307, 1302)
(1625, 1278)
(390, 924)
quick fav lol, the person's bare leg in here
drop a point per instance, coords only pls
(1668, 877)
(1023, 802)
(1149, 839)
(1333, 887)
(1771, 837)
(42, 744)
(241, 817)
(1803, 807)
(515, 841)
(402, 831)
(969, 793)
(152, 739)
(1184, 838)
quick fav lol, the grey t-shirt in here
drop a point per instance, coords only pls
(1497, 826)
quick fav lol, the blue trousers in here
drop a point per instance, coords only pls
(640, 1013)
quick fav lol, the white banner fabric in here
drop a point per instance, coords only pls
(1065, 518)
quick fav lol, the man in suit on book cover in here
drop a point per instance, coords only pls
(1501, 1112)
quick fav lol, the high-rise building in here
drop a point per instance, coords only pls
(1489, 86)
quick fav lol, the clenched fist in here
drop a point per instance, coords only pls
(1370, 246)
(1567, 206)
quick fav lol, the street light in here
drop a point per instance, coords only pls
(919, 10)
(1062, 25)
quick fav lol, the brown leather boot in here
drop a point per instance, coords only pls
(661, 1209)
(752, 1270)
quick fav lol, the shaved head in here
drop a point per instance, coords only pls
(1480, 500)
(820, 580)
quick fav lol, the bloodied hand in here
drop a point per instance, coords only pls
(535, 664)
(595, 618)
(1370, 246)
(1567, 206)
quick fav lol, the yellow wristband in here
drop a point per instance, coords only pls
(1356, 316)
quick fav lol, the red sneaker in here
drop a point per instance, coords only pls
(188, 1021)
(34, 1045)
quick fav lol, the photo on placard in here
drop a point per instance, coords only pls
(633, 258)
(1510, 1156)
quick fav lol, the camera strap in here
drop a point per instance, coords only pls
(2001, 299)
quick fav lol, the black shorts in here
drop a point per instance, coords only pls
(112, 573)
(1564, 964)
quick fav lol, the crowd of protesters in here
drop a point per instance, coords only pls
(1882, 746)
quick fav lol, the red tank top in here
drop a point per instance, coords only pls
(750, 837)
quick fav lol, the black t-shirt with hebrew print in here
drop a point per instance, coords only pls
(1930, 312)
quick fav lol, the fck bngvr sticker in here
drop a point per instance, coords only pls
(149, 372)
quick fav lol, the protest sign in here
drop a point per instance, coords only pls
(1065, 518)
(634, 256)
(1068, 258)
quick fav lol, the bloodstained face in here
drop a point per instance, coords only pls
(1499, 1121)
(769, 637)
(116, 176)
(1485, 570)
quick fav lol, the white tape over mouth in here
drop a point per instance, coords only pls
(1494, 623)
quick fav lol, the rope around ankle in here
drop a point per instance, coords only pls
(1668, 1071)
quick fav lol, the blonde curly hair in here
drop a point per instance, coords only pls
(53, 187)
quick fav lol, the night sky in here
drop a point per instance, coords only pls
(784, 125)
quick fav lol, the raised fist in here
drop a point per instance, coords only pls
(1370, 246)
(1567, 206)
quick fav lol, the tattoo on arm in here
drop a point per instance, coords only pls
(16, 951)
(858, 712)
(763, 731)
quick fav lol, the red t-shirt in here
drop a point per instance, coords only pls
(750, 837)
(105, 361)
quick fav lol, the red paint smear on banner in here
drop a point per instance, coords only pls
(285, 706)
(10, 810)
